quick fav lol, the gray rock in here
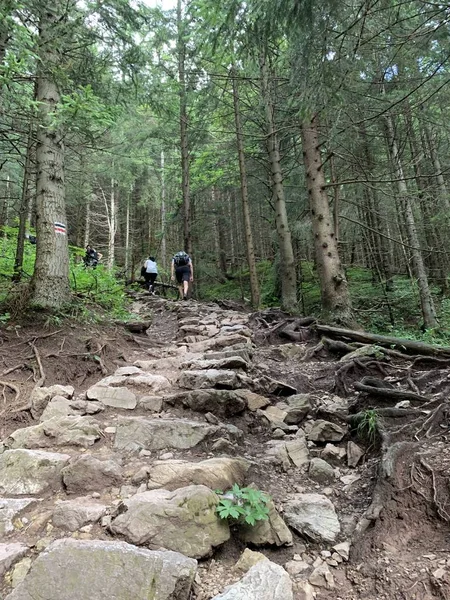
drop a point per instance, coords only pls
(10, 509)
(128, 370)
(275, 415)
(222, 403)
(322, 577)
(313, 515)
(254, 401)
(151, 403)
(9, 553)
(102, 570)
(87, 473)
(30, 471)
(298, 452)
(134, 433)
(325, 431)
(273, 531)
(59, 431)
(230, 362)
(244, 353)
(73, 514)
(298, 407)
(195, 380)
(219, 342)
(40, 396)
(184, 520)
(57, 407)
(264, 581)
(354, 454)
(148, 381)
(215, 473)
(118, 397)
(321, 471)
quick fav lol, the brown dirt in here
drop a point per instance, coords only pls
(405, 552)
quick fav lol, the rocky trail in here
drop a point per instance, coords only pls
(108, 478)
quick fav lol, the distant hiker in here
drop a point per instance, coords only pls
(150, 274)
(183, 271)
(31, 238)
(91, 257)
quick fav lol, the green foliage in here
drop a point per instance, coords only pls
(368, 426)
(243, 505)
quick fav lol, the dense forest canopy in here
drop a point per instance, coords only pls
(298, 150)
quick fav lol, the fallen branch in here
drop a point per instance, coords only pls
(41, 379)
(392, 342)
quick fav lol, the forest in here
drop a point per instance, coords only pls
(297, 150)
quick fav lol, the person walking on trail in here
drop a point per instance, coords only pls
(92, 257)
(183, 270)
(150, 274)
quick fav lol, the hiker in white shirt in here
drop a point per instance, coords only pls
(151, 273)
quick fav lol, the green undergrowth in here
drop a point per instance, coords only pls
(98, 294)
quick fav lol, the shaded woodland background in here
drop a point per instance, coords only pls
(168, 119)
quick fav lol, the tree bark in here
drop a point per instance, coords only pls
(288, 271)
(336, 303)
(254, 284)
(426, 300)
(50, 282)
(24, 206)
(163, 212)
(112, 225)
(185, 182)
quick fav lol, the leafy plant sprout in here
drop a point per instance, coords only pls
(243, 505)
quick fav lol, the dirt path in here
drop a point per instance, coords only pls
(203, 399)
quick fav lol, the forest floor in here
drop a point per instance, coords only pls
(392, 502)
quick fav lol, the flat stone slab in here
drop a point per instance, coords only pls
(222, 403)
(9, 553)
(117, 397)
(58, 431)
(25, 472)
(326, 431)
(215, 473)
(10, 509)
(135, 433)
(313, 515)
(102, 570)
(184, 520)
(209, 378)
(264, 581)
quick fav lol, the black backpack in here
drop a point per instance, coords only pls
(181, 259)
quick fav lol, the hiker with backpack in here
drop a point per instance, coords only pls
(150, 274)
(183, 271)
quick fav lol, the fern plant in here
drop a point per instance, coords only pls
(243, 505)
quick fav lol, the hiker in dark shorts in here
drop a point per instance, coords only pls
(150, 274)
(183, 271)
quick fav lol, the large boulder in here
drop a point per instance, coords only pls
(101, 570)
(313, 515)
(30, 471)
(230, 362)
(73, 514)
(185, 520)
(254, 401)
(209, 378)
(222, 403)
(298, 406)
(58, 431)
(87, 473)
(57, 407)
(264, 581)
(215, 473)
(134, 433)
(10, 509)
(326, 431)
(40, 396)
(321, 471)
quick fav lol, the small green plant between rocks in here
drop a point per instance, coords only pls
(368, 425)
(243, 505)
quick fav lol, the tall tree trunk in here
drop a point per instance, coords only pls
(185, 183)
(112, 225)
(336, 302)
(127, 238)
(254, 284)
(87, 223)
(288, 271)
(163, 213)
(50, 282)
(24, 206)
(426, 300)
